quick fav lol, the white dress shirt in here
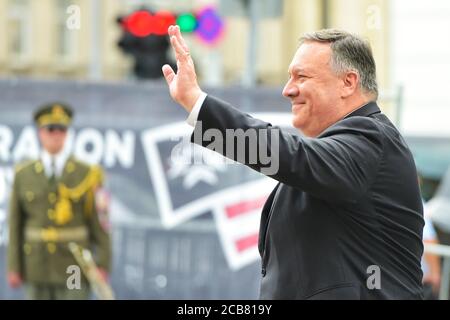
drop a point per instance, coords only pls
(59, 163)
(193, 116)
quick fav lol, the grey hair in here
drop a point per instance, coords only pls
(349, 53)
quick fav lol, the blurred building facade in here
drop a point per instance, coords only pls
(43, 39)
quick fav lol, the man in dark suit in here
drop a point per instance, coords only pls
(346, 219)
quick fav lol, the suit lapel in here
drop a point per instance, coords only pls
(265, 217)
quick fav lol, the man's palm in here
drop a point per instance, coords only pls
(183, 85)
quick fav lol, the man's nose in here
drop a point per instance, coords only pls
(289, 90)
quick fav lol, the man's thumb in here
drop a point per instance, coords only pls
(168, 73)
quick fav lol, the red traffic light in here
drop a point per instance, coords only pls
(205, 23)
(162, 20)
(138, 23)
(142, 23)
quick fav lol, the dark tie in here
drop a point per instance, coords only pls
(53, 171)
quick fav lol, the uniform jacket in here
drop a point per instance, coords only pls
(46, 214)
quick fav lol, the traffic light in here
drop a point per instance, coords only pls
(145, 38)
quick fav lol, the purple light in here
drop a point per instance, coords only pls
(210, 25)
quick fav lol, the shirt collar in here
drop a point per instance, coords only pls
(60, 162)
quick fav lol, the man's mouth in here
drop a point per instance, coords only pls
(297, 106)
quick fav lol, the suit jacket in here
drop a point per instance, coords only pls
(46, 214)
(346, 219)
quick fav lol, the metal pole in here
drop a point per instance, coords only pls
(399, 107)
(325, 14)
(213, 63)
(444, 251)
(95, 68)
(443, 291)
(249, 76)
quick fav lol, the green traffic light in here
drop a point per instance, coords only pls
(186, 22)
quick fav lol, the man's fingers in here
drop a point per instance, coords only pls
(181, 39)
(174, 32)
(170, 31)
(168, 73)
(180, 53)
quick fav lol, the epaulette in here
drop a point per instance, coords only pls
(97, 171)
(24, 164)
(79, 163)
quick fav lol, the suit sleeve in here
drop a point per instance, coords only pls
(99, 234)
(339, 165)
(15, 223)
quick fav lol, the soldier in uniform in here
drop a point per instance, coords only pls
(53, 203)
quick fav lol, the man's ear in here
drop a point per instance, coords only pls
(350, 83)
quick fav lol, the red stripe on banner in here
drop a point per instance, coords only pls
(244, 207)
(246, 242)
